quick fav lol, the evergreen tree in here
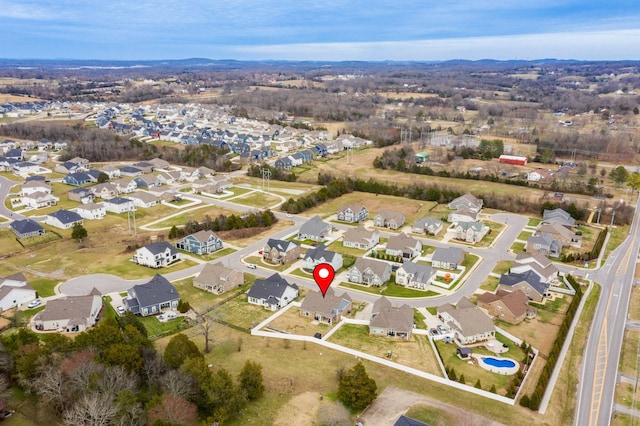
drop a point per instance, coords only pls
(179, 349)
(250, 380)
(356, 389)
(79, 232)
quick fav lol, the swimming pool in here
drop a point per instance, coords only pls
(499, 363)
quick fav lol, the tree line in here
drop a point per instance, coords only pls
(258, 219)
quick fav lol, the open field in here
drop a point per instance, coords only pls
(292, 322)
(258, 200)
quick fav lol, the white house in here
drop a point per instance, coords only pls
(156, 255)
(14, 291)
(273, 293)
(92, 211)
(37, 200)
(119, 205)
(63, 219)
(69, 314)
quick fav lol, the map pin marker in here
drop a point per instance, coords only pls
(323, 275)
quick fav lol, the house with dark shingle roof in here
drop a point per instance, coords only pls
(415, 275)
(201, 242)
(130, 171)
(391, 321)
(119, 205)
(77, 178)
(280, 251)
(153, 297)
(314, 229)
(63, 219)
(156, 255)
(317, 255)
(537, 263)
(528, 282)
(273, 293)
(447, 258)
(328, 309)
(408, 421)
(26, 228)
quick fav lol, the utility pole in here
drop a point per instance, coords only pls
(130, 214)
(266, 175)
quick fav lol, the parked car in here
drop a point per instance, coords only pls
(34, 303)
(251, 265)
(120, 310)
(441, 329)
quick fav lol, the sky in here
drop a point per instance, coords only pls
(322, 30)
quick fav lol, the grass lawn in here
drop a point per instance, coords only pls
(629, 357)
(524, 235)
(627, 395)
(391, 290)
(338, 247)
(130, 270)
(292, 322)
(23, 317)
(238, 190)
(212, 256)
(43, 286)
(258, 261)
(155, 328)
(8, 242)
(202, 300)
(302, 273)
(415, 352)
(616, 237)
(241, 313)
(490, 284)
(40, 239)
(431, 415)
(418, 319)
(502, 267)
(634, 304)
(534, 221)
(257, 199)
(197, 213)
(518, 247)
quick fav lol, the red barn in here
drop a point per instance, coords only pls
(513, 159)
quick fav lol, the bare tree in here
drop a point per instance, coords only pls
(178, 384)
(93, 409)
(116, 379)
(52, 388)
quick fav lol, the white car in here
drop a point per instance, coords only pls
(288, 215)
(251, 265)
(34, 303)
(120, 310)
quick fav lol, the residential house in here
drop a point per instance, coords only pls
(156, 255)
(317, 255)
(470, 232)
(71, 314)
(144, 166)
(189, 173)
(327, 309)
(68, 167)
(26, 228)
(38, 200)
(539, 175)
(33, 186)
(314, 229)
(408, 421)
(119, 205)
(148, 181)
(112, 171)
(360, 238)
(512, 307)
(91, 211)
(144, 199)
(537, 263)
(202, 242)
(217, 278)
(528, 282)
(152, 297)
(216, 186)
(159, 164)
(24, 168)
(280, 251)
(77, 179)
(82, 162)
(403, 246)
(130, 171)
(15, 154)
(428, 225)
(126, 186)
(391, 321)
(558, 216)
(544, 244)
(447, 258)
(205, 172)
(14, 291)
(63, 219)
(560, 233)
(463, 214)
(468, 201)
(369, 272)
(415, 275)
(104, 190)
(81, 195)
(468, 322)
(389, 219)
(273, 293)
(353, 213)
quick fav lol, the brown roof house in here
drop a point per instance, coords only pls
(404, 246)
(360, 238)
(328, 309)
(512, 307)
(389, 219)
(217, 278)
(69, 314)
(369, 272)
(280, 251)
(389, 320)
(467, 321)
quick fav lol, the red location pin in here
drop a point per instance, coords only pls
(323, 275)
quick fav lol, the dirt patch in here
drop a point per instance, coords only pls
(301, 410)
(393, 402)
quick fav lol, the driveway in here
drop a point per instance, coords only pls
(394, 402)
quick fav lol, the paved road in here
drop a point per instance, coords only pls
(602, 353)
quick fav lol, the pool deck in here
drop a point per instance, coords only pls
(498, 370)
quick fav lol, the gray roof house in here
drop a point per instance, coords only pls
(153, 297)
(314, 229)
(427, 225)
(447, 257)
(529, 282)
(470, 232)
(69, 314)
(156, 255)
(328, 309)
(369, 272)
(558, 216)
(537, 263)
(467, 200)
(217, 278)
(389, 320)
(467, 321)
(273, 293)
(544, 244)
(415, 275)
(360, 238)
(391, 219)
(26, 228)
(317, 255)
(404, 246)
